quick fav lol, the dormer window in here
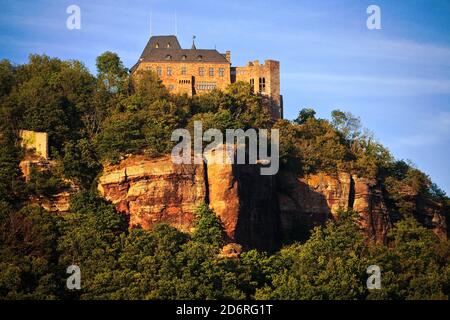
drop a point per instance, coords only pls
(199, 57)
(157, 45)
(168, 57)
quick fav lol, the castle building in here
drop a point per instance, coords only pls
(196, 71)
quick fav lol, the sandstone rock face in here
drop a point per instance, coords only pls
(58, 203)
(310, 201)
(368, 201)
(256, 211)
(429, 213)
(153, 191)
(231, 250)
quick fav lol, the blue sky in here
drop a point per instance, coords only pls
(396, 79)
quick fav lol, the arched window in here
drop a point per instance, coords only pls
(168, 57)
(184, 57)
(157, 45)
(199, 57)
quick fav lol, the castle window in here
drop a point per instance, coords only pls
(168, 45)
(201, 71)
(168, 57)
(157, 45)
(169, 71)
(183, 71)
(159, 71)
(262, 84)
(211, 72)
(199, 57)
(206, 86)
(221, 72)
(252, 85)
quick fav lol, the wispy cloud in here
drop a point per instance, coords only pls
(434, 129)
(367, 85)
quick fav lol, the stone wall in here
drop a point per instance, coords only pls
(270, 72)
(191, 82)
(37, 141)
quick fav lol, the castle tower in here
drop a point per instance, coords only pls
(264, 79)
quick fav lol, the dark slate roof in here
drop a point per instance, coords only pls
(162, 42)
(175, 53)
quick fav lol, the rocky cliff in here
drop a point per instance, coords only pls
(256, 211)
(155, 191)
(306, 202)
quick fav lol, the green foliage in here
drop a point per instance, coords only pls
(121, 135)
(11, 183)
(208, 227)
(112, 73)
(43, 183)
(50, 95)
(347, 124)
(330, 265)
(28, 267)
(414, 265)
(7, 77)
(314, 144)
(80, 162)
(93, 119)
(304, 115)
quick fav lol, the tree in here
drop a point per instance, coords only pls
(121, 134)
(330, 265)
(304, 115)
(413, 264)
(80, 162)
(346, 123)
(111, 72)
(50, 96)
(208, 227)
(28, 267)
(11, 180)
(7, 77)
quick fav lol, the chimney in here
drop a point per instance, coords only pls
(228, 56)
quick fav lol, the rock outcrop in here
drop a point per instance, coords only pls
(428, 212)
(306, 202)
(59, 202)
(256, 211)
(155, 191)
